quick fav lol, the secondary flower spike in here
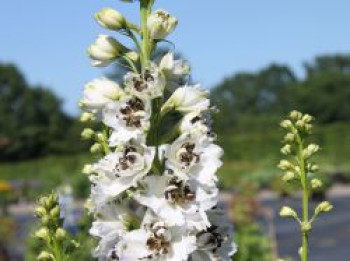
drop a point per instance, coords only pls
(154, 192)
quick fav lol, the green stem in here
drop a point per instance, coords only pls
(303, 176)
(144, 6)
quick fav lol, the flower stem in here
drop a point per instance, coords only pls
(145, 10)
(303, 177)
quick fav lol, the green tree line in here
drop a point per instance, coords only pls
(32, 122)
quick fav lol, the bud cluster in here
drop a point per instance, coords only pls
(51, 232)
(298, 168)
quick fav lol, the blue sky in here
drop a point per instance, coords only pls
(48, 38)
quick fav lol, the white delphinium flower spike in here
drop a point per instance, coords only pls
(149, 84)
(156, 241)
(216, 242)
(129, 118)
(119, 171)
(98, 93)
(193, 157)
(174, 200)
(188, 99)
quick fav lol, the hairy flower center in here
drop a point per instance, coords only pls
(210, 239)
(142, 83)
(128, 159)
(187, 155)
(131, 111)
(159, 242)
(179, 193)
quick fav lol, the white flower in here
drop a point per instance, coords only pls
(98, 93)
(119, 171)
(110, 19)
(175, 71)
(197, 124)
(109, 226)
(149, 84)
(156, 241)
(129, 118)
(188, 99)
(174, 199)
(216, 242)
(160, 24)
(193, 157)
(105, 50)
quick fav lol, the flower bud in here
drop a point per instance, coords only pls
(324, 206)
(105, 50)
(288, 212)
(316, 183)
(86, 116)
(110, 19)
(134, 56)
(289, 137)
(307, 118)
(88, 169)
(55, 212)
(286, 124)
(40, 211)
(87, 133)
(314, 167)
(285, 165)
(42, 234)
(300, 124)
(45, 220)
(296, 115)
(160, 24)
(287, 149)
(96, 148)
(45, 256)
(288, 176)
(60, 234)
(306, 227)
(310, 150)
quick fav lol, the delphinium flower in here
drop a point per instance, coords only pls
(302, 170)
(154, 193)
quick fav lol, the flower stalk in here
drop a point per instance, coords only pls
(302, 171)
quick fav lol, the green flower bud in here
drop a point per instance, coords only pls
(55, 212)
(285, 165)
(86, 116)
(110, 19)
(310, 150)
(287, 149)
(42, 234)
(96, 148)
(324, 206)
(316, 183)
(60, 234)
(45, 256)
(288, 176)
(313, 167)
(300, 124)
(307, 118)
(88, 169)
(286, 124)
(45, 220)
(40, 211)
(288, 212)
(296, 115)
(290, 137)
(87, 133)
(133, 56)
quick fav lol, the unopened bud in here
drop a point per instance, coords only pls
(96, 148)
(287, 149)
(42, 234)
(45, 256)
(286, 124)
(316, 183)
(296, 115)
(88, 169)
(288, 176)
(307, 118)
(40, 211)
(87, 133)
(288, 212)
(324, 206)
(314, 168)
(290, 137)
(160, 24)
(110, 19)
(55, 212)
(86, 117)
(310, 150)
(60, 234)
(285, 165)
(306, 227)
